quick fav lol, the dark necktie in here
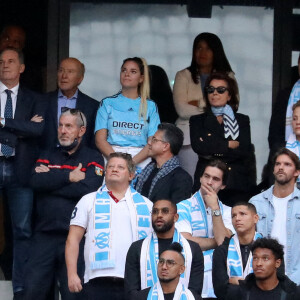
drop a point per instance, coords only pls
(8, 114)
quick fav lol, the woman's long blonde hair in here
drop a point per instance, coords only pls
(144, 87)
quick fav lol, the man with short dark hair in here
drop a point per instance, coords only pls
(204, 219)
(278, 209)
(21, 123)
(164, 178)
(142, 256)
(171, 265)
(60, 178)
(69, 76)
(265, 283)
(232, 261)
(111, 219)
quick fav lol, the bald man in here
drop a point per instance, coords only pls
(69, 76)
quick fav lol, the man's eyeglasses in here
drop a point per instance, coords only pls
(154, 140)
(220, 89)
(169, 262)
(74, 112)
(164, 211)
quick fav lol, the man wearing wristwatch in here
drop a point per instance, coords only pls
(204, 219)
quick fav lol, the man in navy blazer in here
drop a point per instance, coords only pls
(21, 122)
(69, 76)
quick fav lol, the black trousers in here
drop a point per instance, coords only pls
(46, 263)
(105, 288)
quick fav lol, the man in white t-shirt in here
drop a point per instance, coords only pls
(205, 220)
(279, 210)
(111, 219)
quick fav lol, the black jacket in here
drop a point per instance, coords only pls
(84, 103)
(208, 141)
(289, 289)
(133, 275)
(176, 186)
(56, 195)
(22, 134)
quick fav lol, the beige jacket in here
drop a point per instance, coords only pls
(184, 91)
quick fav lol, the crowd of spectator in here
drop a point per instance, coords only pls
(108, 202)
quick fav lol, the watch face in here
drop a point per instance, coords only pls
(217, 212)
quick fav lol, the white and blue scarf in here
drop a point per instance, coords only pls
(150, 255)
(293, 145)
(100, 255)
(181, 293)
(231, 126)
(195, 212)
(234, 258)
(294, 98)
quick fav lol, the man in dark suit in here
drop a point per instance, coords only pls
(164, 178)
(21, 123)
(69, 76)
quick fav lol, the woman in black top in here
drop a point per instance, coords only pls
(223, 133)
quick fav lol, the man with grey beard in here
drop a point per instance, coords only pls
(142, 256)
(60, 178)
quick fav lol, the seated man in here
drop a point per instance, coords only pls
(164, 178)
(60, 178)
(205, 220)
(232, 261)
(171, 265)
(111, 219)
(141, 261)
(265, 283)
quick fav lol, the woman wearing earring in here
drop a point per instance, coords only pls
(208, 56)
(128, 119)
(222, 133)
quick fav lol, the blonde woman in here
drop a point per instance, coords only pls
(128, 119)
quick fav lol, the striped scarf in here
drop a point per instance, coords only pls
(231, 126)
(166, 168)
(101, 257)
(181, 293)
(194, 211)
(150, 255)
(234, 258)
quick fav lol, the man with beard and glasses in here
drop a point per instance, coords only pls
(60, 178)
(278, 209)
(171, 265)
(142, 256)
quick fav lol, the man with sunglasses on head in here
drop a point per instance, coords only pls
(69, 76)
(60, 178)
(204, 219)
(142, 256)
(170, 267)
(163, 178)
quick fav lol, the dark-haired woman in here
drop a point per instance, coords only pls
(208, 57)
(128, 119)
(222, 133)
